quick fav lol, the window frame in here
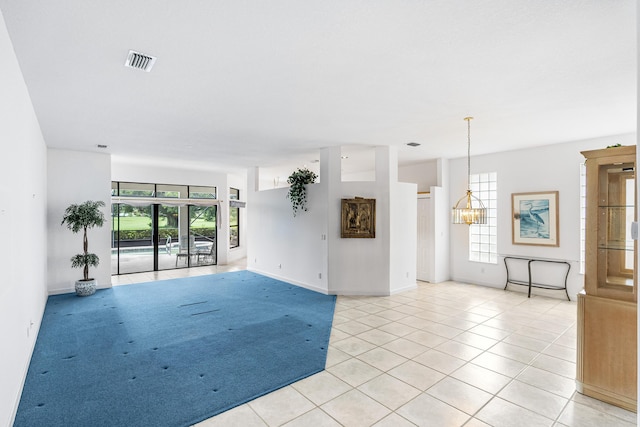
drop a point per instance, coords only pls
(234, 194)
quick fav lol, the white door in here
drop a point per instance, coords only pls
(424, 247)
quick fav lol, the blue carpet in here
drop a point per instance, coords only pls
(172, 352)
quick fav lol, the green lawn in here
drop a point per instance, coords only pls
(144, 223)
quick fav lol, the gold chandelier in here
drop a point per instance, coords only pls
(469, 209)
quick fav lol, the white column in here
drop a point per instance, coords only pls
(330, 181)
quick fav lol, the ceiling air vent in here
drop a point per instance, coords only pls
(139, 61)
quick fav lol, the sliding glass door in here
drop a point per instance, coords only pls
(178, 231)
(168, 236)
(202, 220)
(132, 249)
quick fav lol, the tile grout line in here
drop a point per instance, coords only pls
(484, 351)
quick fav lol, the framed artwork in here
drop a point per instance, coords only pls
(535, 218)
(358, 218)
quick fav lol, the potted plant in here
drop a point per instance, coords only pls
(297, 191)
(82, 217)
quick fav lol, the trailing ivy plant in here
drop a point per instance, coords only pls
(297, 191)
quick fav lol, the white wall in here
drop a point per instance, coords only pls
(386, 264)
(361, 176)
(307, 249)
(404, 237)
(361, 266)
(74, 177)
(23, 252)
(285, 247)
(424, 174)
(548, 168)
(132, 171)
(441, 212)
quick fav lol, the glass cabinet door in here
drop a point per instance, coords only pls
(616, 212)
(610, 263)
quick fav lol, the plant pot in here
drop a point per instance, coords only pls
(84, 288)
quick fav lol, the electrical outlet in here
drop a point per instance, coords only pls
(319, 275)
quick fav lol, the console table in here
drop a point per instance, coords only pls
(531, 262)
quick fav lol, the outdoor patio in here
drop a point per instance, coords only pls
(140, 258)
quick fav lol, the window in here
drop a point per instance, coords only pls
(171, 191)
(132, 189)
(483, 237)
(202, 192)
(234, 219)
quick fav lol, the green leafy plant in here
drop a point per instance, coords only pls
(82, 217)
(297, 191)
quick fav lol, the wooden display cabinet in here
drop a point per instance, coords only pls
(607, 307)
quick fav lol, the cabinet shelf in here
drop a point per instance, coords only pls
(614, 246)
(623, 283)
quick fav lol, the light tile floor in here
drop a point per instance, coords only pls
(445, 354)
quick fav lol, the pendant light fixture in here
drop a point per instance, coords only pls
(469, 209)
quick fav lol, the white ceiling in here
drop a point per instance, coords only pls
(247, 83)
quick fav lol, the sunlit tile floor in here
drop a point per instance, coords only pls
(446, 354)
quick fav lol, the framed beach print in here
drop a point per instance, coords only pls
(535, 218)
(358, 218)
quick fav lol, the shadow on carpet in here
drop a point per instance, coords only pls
(172, 352)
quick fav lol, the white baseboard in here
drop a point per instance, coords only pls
(288, 280)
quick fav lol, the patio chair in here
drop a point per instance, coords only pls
(186, 249)
(208, 254)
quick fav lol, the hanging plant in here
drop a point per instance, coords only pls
(297, 191)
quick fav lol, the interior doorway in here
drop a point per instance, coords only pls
(424, 240)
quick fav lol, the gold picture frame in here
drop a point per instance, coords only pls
(358, 218)
(535, 218)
